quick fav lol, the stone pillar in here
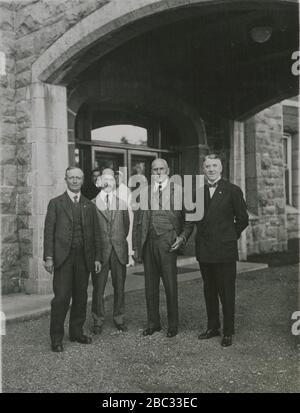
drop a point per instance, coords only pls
(10, 268)
(237, 172)
(265, 183)
(48, 138)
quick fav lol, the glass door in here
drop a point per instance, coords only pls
(103, 157)
(139, 163)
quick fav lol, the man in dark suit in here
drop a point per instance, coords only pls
(113, 220)
(225, 217)
(91, 189)
(157, 233)
(71, 246)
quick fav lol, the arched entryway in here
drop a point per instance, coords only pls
(189, 68)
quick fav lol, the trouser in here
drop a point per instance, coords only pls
(70, 281)
(118, 276)
(219, 282)
(160, 263)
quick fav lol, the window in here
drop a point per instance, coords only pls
(124, 134)
(287, 162)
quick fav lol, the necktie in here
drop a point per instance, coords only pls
(75, 199)
(212, 185)
(108, 205)
(160, 195)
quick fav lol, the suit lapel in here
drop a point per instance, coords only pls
(66, 203)
(103, 209)
(116, 204)
(216, 200)
(166, 194)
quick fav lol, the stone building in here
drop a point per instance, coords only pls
(195, 75)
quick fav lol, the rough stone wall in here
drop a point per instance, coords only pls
(293, 223)
(10, 265)
(265, 186)
(291, 126)
(27, 29)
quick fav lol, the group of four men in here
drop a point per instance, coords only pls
(83, 237)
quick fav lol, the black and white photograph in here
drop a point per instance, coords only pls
(150, 203)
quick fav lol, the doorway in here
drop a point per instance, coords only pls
(137, 161)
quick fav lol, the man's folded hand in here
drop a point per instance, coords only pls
(178, 242)
(97, 266)
(49, 265)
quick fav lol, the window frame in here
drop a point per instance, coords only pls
(288, 165)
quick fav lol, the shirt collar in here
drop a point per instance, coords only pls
(72, 194)
(104, 194)
(214, 182)
(163, 185)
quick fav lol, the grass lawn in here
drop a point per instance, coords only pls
(263, 358)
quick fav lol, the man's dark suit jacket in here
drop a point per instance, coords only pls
(141, 223)
(222, 225)
(59, 228)
(113, 231)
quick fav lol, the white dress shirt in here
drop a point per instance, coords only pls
(163, 184)
(72, 195)
(101, 199)
(212, 189)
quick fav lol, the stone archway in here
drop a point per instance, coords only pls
(105, 25)
(104, 29)
(154, 105)
(156, 101)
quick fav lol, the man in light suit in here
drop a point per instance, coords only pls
(225, 218)
(113, 222)
(71, 250)
(157, 234)
(124, 193)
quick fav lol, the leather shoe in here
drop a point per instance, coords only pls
(97, 329)
(226, 341)
(82, 339)
(57, 348)
(122, 327)
(208, 334)
(150, 331)
(172, 333)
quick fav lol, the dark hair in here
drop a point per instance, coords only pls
(95, 170)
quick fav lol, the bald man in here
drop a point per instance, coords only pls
(157, 235)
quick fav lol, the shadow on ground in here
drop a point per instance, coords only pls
(264, 357)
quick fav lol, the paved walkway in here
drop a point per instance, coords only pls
(19, 307)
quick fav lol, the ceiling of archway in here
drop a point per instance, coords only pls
(210, 61)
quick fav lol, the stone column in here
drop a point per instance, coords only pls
(48, 137)
(10, 268)
(237, 172)
(265, 179)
